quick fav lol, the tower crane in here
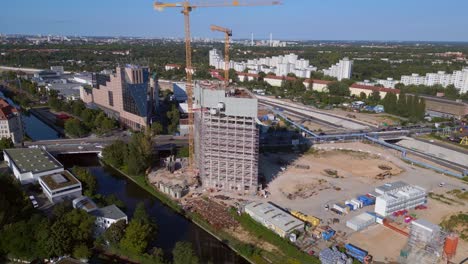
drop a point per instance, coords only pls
(188, 7)
(227, 37)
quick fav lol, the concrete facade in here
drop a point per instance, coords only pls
(61, 186)
(226, 139)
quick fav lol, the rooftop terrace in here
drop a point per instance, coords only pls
(59, 180)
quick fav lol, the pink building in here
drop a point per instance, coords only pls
(129, 95)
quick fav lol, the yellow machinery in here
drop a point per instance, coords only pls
(227, 38)
(464, 141)
(312, 220)
(187, 7)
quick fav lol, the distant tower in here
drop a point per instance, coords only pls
(271, 39)
(251, 39)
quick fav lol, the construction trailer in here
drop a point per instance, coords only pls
(361, 221)
(398, 196)
(226, 138)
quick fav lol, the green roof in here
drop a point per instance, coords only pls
(59, 180)
(33, 160)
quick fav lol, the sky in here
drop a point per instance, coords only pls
(405, 20)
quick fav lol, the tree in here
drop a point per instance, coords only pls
(362, 96)
(77, 107)
(174, 117)
(6, 143)
(88, 116)
(75, 128)
(233, 75)
(183, 152)
(375, 97)
(140, 153)
(115, 232)
(87, 179)
(136, 238)
(261, 75)
(116, 153)
(55, 103)
(183, 253)
(12, 200)
(390, 103)
(338, 89)
(81, 252)
(70, 230)
(451, 92)
(156, 128)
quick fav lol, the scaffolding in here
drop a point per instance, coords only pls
(227, 147)
(425, 243)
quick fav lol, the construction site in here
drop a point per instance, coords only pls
(226, 138)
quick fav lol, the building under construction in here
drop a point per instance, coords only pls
(425, 244)
(226, 138)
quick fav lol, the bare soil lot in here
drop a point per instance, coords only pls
(340, 171)
(375, 119)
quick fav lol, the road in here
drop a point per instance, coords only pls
(94, 145)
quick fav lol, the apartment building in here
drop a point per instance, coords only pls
(458, 78)
(11, 125)
(128, 95)
(226, 138)
(279, 65)
(341, 70)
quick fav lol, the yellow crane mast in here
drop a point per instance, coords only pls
(187, 7)
(227, 38)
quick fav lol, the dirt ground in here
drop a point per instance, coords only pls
(376, 119)
(356, 172)
(382, 243)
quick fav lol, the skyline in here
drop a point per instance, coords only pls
(334, 20)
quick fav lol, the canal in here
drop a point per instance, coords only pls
(36, 129)
(172, 227)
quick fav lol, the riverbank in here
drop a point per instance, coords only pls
(46, 118)
(280, 250)
(223, 237)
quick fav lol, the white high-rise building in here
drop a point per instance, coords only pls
(459, 79)
(279, 65)
(341, 70)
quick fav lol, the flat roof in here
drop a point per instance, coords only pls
(273, 214)
(110, 212)
(34, 160)
(59, 180)
(361, 219)
(391, 186)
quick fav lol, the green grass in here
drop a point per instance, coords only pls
(459, 194)
(290, 251)
(457, 223)
(442, 198)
